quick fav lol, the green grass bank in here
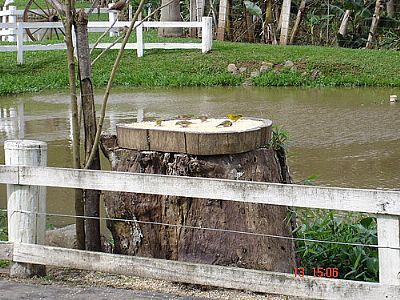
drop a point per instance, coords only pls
(313, 67)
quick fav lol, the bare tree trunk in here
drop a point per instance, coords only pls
(374, 24)
(285, 16)
(391, 8)
(299, 18)
(345, 22)
(278, 14)
(76, 160)
(92, 197)
(269, 26)
(199, 9)
(249, 26)
(171, 12)
(222, 18)
(193, 16)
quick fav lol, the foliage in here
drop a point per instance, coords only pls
(353, 262)
(390, 40)
(3, 226)
(280, 137)
(253, 8)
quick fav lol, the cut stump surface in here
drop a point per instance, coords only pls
(195, 136)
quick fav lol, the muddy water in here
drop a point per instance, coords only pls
(347, 137)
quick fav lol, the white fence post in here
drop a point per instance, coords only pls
(389, 259)
(112, 15)
(12, 20)
(24, 203)
(206, 34)
(139, 40)
(3, 20)
(20, 43)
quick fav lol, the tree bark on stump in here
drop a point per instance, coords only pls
(200, 245)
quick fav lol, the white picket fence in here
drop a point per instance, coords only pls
(27, 177)
(15, 31)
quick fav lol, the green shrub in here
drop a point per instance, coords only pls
(3, 226)
(279, 138)
(353, 262)
(3, 235)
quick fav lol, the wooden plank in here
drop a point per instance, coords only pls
(36, 25)
(172, 24)
(359, 200)
(389, 259)
(6, 250)
(172, 46)
(129, 46)
(8, 174)
(8, 25)
(226, 277)
(8, 48)
(47, 47)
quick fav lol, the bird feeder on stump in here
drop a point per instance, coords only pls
(200, 148)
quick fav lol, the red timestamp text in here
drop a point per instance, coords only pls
(317, 272)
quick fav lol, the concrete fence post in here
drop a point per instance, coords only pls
(26, 205)
(206, 35)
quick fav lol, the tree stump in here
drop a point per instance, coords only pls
(151, 237)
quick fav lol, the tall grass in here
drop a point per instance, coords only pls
(353, 262)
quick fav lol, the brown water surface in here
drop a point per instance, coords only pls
(348, 137)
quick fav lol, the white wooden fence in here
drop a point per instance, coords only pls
(384, 204)
(11, 15)
(140, 45)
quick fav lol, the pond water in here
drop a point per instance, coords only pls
(347, 137)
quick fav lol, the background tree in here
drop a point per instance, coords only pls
(171, 12)
(391, 8)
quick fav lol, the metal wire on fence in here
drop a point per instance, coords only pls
(207, 229)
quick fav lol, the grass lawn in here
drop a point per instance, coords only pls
(172, 68)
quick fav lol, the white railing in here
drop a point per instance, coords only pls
(140, 45)
(8, 18)
(384, 204)
(11, 15)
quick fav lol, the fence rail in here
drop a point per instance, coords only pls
(226, 277)
(140, 45)
(11, 15)
(384, 204)
(344, 199)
